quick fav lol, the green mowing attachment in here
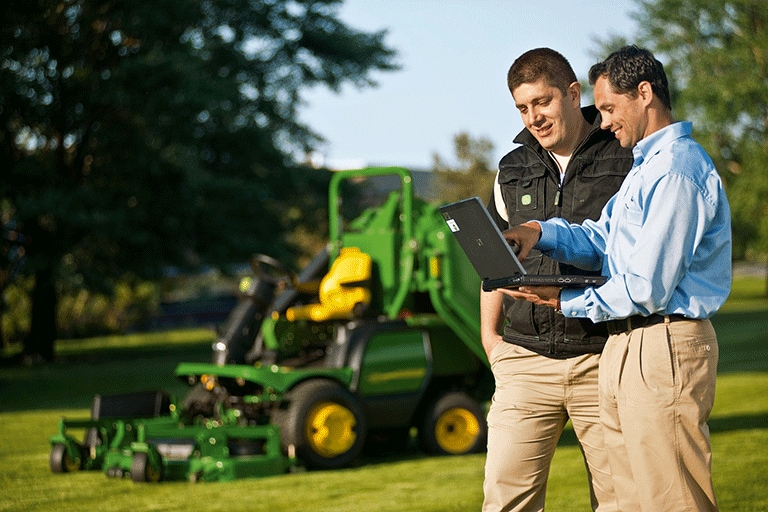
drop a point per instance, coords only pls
(161, 445)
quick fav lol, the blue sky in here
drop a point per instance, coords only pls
(454, 56)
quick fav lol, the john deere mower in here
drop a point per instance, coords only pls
(375, 340)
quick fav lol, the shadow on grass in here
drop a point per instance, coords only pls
(739, 422)
(743, 341)
(72, 381)
(568, 438)
(716, 425)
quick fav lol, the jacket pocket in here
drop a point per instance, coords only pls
(527, 195)
(524, 190)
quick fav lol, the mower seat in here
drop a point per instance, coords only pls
(344, 291)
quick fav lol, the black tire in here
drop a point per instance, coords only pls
(454, 424)
(61, 462)
(324, 423)
(142, 469)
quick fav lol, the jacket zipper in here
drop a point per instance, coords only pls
(558, 201)
(559, 204)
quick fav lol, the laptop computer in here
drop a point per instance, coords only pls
(491, 255)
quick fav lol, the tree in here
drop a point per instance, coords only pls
(474, 174)
(136, 135)
(716, 55)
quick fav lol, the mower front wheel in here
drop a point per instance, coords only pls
(325, 424)
(62, 462)
(142, 470)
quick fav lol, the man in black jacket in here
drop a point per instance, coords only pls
(545, 365)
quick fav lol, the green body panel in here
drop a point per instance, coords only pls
(211, 457)
(449, 354)
(394, 362)
(275, 379)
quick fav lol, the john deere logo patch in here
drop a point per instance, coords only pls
(526, 200)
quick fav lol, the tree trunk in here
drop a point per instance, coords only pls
(42, 333)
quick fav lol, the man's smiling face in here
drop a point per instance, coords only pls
(551, 116)
(621, 113)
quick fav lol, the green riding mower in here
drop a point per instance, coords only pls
(378, 337)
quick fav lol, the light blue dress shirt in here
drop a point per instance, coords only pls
(664, 239)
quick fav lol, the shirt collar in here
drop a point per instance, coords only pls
(653, 143)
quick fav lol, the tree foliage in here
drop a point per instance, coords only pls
(718, 52)
(716, 56)
(474, 174)
(135, 135)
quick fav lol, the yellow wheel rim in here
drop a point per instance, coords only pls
(330, 429)
(456, 430)
(71, 464)
(153, 474)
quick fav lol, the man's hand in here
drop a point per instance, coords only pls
(539, 295)
(525, 236)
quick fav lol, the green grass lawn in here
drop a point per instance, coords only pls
(33, 399)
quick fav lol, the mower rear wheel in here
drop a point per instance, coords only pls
(62, 462)
(325, 424)
(142, 469)
(454, 425)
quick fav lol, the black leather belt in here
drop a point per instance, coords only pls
(638, 321)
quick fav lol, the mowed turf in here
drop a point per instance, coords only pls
(33, 399)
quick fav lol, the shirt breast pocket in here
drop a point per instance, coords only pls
(633, 213)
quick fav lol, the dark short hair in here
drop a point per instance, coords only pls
(541, 64)
(627, 67)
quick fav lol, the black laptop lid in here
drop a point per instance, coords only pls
(481, 239)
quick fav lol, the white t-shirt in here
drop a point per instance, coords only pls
(562, 162)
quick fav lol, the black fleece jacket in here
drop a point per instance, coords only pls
(530, 186)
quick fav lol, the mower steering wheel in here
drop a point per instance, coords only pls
(271, 271)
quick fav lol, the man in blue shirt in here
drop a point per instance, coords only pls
(664, 242)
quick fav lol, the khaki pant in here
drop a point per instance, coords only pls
(534, 398)
(657, 387)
